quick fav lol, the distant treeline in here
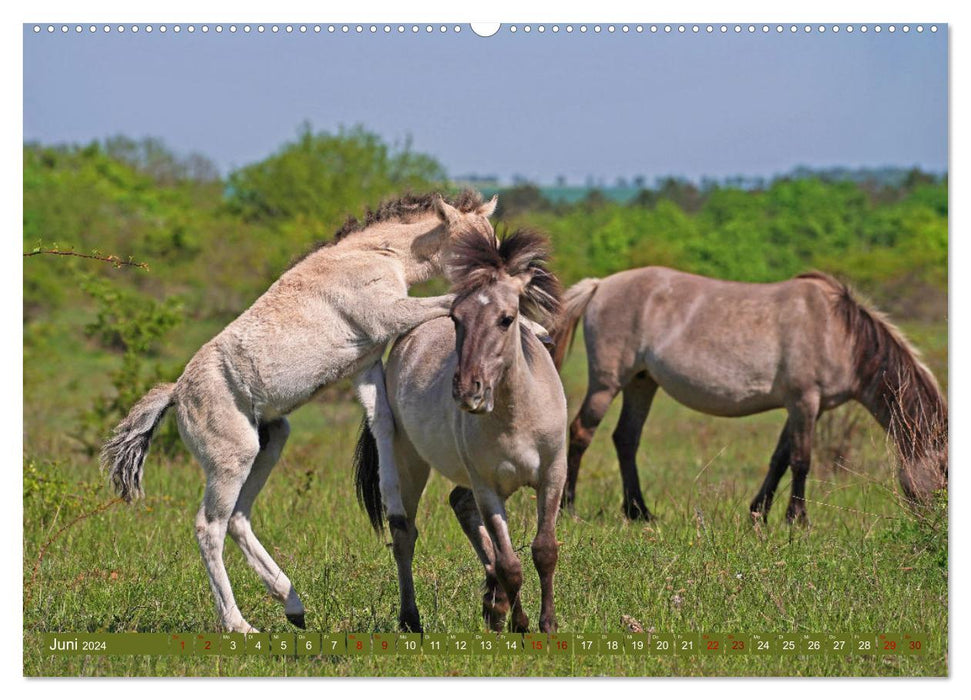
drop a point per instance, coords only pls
(218, 242)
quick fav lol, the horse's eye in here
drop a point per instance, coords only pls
(506, 321)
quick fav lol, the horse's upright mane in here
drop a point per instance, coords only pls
(476, 261)
(400, 209)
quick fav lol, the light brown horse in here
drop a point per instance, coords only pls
(734, 349)
(478, 399)
(329, 316)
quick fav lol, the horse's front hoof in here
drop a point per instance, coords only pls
(410, 623)
(798, 518)
(297, 620)
(637, 511)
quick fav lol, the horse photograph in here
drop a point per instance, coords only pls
(341, 309)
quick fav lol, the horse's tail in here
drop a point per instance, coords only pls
(123, 455)
(366, 476)
(575, 302)
(896, 387)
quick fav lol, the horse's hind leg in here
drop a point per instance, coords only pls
(226, 444)
(495, 603)
(638, 395)
(777, 467)
(273, 436)
(402, 507)
(595, 405)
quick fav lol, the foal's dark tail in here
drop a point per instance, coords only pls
(366, 476)
(575, 301)
(123, 455)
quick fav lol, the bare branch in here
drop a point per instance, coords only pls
(112, 259)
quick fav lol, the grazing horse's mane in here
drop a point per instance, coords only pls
(890, 371)
(476, 261)
(401, 209)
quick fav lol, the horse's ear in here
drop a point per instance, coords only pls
(446, 212)
(489, 208)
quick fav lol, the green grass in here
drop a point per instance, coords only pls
(865, 566)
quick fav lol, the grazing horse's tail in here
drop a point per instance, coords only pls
(366, 476)
(897, 388)
(123, 456)
(575, 302)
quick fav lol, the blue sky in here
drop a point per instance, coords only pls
(537, 105)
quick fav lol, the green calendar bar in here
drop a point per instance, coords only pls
(559, 644)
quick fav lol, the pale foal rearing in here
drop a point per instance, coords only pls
(328, 317)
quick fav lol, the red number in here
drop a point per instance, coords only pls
(384, 645)
(890, 645)
(360, 645)
(915, 645)
(562, 646)
(208, 645)
(738, 644)
(713, 645)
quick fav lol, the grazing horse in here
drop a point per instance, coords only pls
(734, 349)
(481, 402)
(329, 316)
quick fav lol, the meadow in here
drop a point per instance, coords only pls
(866, 565)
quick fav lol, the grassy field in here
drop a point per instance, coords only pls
(865, 565)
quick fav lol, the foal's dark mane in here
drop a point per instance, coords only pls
(477, 261)
(893, 380)
(401, 209)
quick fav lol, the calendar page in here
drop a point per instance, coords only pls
(557, 349)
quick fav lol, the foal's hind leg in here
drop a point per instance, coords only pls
(495, 603)
(226, 444)
(638, 395)
(777, 467)
(595, 405)
(273, 436)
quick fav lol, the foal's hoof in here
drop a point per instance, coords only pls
(297, 620)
